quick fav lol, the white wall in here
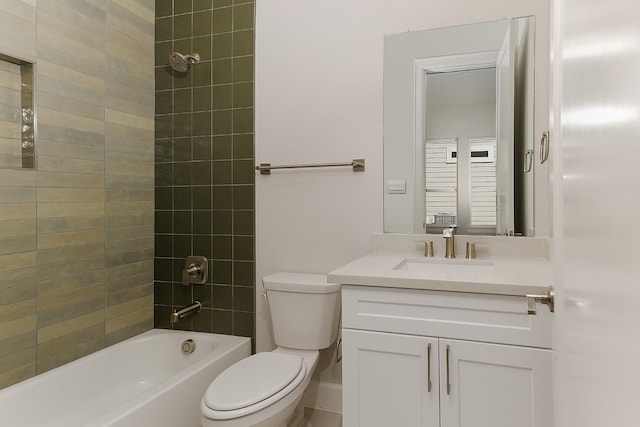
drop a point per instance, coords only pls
(318, 99)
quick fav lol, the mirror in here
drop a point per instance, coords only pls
(458, 129)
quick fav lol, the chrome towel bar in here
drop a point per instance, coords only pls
(356, 164)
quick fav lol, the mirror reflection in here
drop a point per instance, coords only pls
(462, 104)
(458, 129)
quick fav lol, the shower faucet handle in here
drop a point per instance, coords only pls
(195, 270)
(191, 271)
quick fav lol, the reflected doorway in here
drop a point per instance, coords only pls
(460, 151)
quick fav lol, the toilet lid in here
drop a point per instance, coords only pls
(252, 380)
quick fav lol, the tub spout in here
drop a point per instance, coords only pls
(186, 311)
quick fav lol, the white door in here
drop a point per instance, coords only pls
(385, 380)
(595, 158)
(493, 385)
(505, 87)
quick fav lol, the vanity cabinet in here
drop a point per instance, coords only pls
(419, 358)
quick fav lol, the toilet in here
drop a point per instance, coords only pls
(263, 390)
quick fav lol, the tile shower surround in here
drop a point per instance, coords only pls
(204, 177)
(76, 233)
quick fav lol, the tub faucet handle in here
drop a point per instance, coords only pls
(191, 271)
(195, 270)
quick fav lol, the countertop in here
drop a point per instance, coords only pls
(508, 276)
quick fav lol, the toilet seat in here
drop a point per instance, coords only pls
(253, 384)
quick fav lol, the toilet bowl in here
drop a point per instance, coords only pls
(263, 390)
(254, 400)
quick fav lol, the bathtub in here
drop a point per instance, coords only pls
(144, 381)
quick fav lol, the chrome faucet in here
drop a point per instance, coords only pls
(188, 310)
(450, 243)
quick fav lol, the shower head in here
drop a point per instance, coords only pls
(181, 63)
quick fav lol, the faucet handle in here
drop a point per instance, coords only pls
(428, 247)
(191, 271)
(471, 250)
(195, 270)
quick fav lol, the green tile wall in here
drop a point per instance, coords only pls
(76, 234)
(204, 163)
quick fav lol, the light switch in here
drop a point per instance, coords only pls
(397, 186)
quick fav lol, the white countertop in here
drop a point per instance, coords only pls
(508, 276)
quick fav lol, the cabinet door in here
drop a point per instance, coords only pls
(386, 380)
(493, 385)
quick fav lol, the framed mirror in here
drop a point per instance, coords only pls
(458, 129)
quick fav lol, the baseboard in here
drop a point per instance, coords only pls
(323, 395)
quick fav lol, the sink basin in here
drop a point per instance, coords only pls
(444, 265)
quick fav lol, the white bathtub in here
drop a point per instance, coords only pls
(143, 381)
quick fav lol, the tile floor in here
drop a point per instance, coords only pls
(320, 418)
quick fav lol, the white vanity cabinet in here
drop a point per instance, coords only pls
(430, 358)
(384, 380)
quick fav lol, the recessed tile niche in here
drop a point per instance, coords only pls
(17, 116)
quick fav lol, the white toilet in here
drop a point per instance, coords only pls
(263, 390)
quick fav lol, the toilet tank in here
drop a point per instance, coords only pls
(305, 309)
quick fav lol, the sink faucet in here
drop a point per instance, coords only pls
(450, 244)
